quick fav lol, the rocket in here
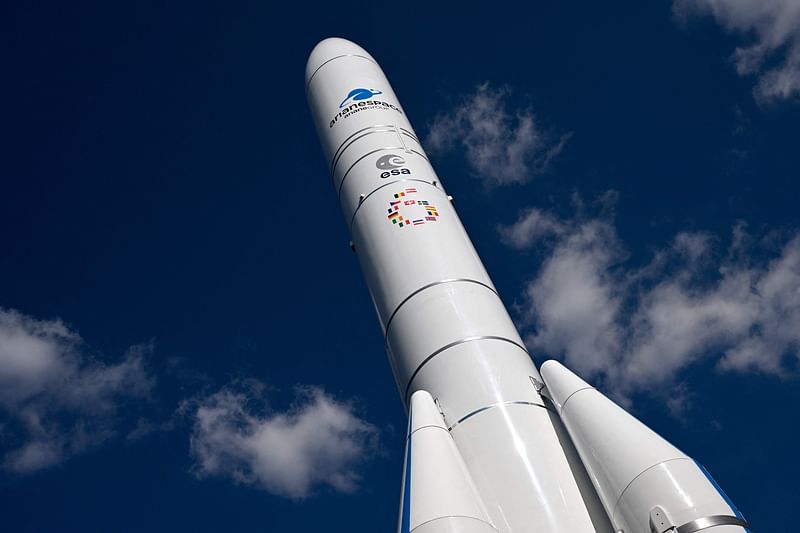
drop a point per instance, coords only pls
(493, 445)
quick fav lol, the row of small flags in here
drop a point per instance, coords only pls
(403, 193)
(398, 219)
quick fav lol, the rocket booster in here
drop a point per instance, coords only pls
(450, 342)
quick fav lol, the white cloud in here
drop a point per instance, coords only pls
(55, 399)
(636, 328)
(772, 28)
(575, 300)
(319, 441)
(532, 226)
(502, 148)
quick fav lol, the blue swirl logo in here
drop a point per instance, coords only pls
(359, 94)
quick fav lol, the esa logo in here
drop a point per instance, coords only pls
(392, 165)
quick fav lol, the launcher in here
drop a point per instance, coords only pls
(493, 446)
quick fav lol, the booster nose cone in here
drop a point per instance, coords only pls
(331, 48)
(644, 482)
(425, 412)
(561, 383)
(439, 495)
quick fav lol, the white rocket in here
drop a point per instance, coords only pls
(493, 446)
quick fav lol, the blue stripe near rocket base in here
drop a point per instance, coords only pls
(721, 492)
(405, 524)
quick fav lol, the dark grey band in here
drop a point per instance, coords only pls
(428, 286)
(376, 128)
(425, 427)
(711, 521)
(354, 137)
(452, 344)
(357, 161)
(457, 517)
(622, 494)
(492, 406)
(573, 394)
(336, 153)
(411, 133)
(353, 218)
(331, 59)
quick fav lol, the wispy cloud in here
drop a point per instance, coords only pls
(772, 31)
(56, 400)
(532, 226)
(636, 328)
(318, 441)
(502, 147)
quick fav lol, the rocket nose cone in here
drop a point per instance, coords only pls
(332, 48)
(561, 383)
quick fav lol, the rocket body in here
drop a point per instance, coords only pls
(485, 450)
(446, 330)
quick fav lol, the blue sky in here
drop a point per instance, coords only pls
(186, 342)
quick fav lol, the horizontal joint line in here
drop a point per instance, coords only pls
(712, 521)
(357, 161)
(331, 59)
(456, 343)
(486, 408)
(425, 287)
(353, 218)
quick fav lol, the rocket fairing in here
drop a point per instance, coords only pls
(491, 441)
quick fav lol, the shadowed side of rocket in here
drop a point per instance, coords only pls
(492, 445)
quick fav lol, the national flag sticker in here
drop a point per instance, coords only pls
(405, 210)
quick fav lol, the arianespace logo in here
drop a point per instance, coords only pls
(392, 165)
(358, 95)
(361, 99)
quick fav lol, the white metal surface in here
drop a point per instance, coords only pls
(397, 261)
(633, 469)
(438, 492)
(447, 331)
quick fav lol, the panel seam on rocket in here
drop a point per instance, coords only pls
(622, 493)
(357, 161)
(375, 129)
(425, 287)
(492, 406)
(456, 343)
(353, 218)
(311, 78)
